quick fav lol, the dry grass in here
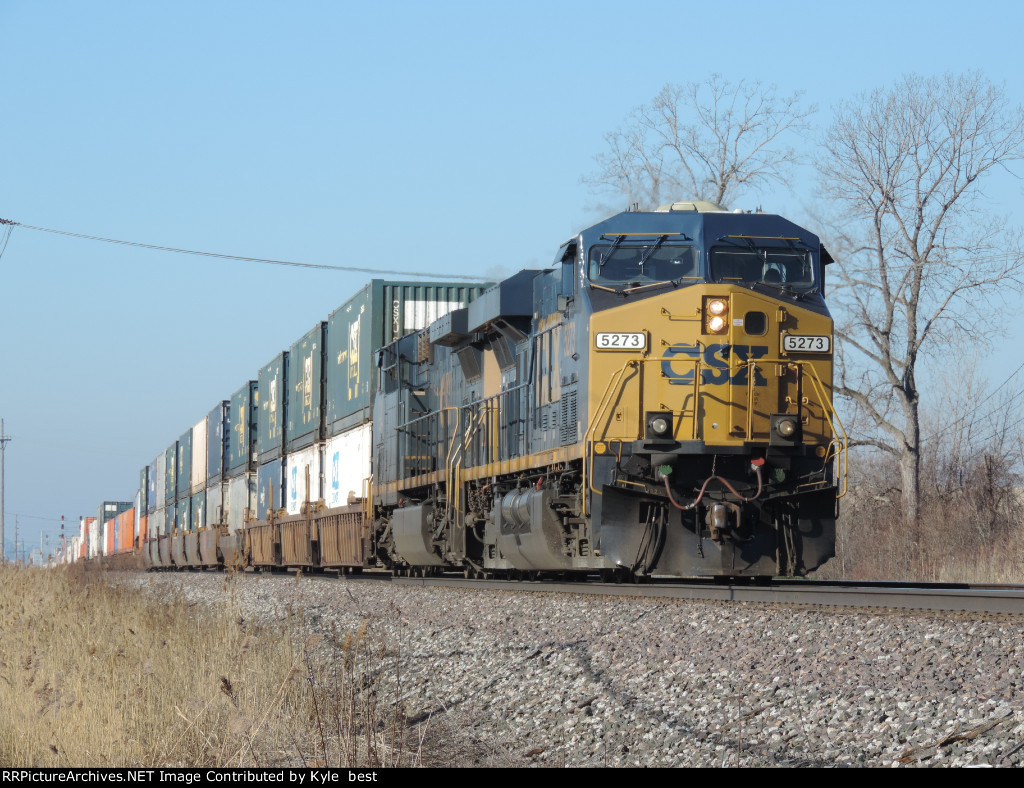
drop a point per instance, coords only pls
(96, 675)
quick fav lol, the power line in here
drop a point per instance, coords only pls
(9, 224)
(975, 407)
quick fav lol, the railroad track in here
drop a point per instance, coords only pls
(950, 597)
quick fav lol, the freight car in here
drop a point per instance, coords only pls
(658, 402)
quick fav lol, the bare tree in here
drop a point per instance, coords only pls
(703, 140)
(920, 258)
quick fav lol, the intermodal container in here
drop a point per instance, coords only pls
(215, 503)
(140, 511)
(198, 511)
(240, 505)
(304, 405)
(242, 427)
(380, 313)
(347, 466)
(143, 534)
(111, 509)
(183, 514)
(157, 523)
(199, 456)
(170, 476)
(270, 488)
(216, 447)
(83, 527)
(109, 541)
(141, 502)
(270, 428)
(183, 474)
(302, 469)
(151, 488)
(125, 531)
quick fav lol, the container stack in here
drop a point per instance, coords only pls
(287, 449)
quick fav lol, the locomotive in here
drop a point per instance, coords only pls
(656, 403)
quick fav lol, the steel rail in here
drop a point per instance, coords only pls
(899, 596)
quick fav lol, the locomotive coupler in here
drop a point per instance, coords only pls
(718, 520)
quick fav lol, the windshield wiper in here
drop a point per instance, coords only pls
(651, 251)
(634, 288)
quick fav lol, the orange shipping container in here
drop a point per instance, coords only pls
(126, 531)
(143, 531)
(83, 530)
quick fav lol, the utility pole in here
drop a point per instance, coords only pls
(3, 449)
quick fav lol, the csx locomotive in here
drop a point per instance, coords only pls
(656, 404)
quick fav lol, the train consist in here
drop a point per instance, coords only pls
(657, 403)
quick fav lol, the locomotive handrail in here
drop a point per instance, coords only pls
(588, 453)
(837, 446)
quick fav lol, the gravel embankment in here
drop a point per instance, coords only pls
(564, 680)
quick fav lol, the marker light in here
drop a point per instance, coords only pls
(659, 426)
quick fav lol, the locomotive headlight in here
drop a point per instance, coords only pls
(786, 427)
(716, 312)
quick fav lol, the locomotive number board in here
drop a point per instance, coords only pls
(620, 340)
(806, 344)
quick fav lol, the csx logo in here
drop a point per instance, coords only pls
(678, 364)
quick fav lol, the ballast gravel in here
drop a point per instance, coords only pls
(529, 678)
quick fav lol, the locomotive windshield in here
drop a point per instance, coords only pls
(654, 261)
(787, 266)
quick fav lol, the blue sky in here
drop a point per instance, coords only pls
(447, 137)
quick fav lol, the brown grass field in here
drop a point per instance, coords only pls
(93, 675)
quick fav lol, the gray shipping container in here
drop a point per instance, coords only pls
(170, 477)
(142, 503)
(270, 428)
(183, 474)
(380, 313)
(242, 425)
(304, 406)
(152, 502)
(108, 510)
(216, 445)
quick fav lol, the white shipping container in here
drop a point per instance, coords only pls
(297, 465)
(140, 500)
(156, 523)
(215, 504)
(241, 499)
(76, 548)
(95, 531)
(199, 457)
(346, 466)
